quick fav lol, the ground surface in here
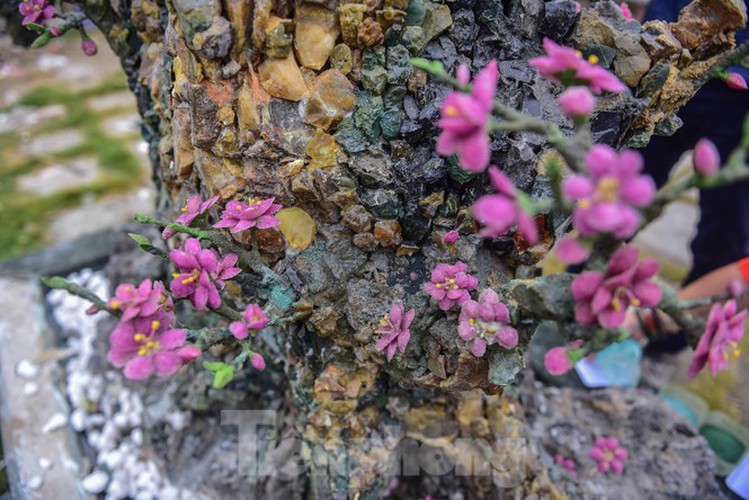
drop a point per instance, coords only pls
(71, 156)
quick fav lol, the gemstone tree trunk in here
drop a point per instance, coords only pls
(315, 103)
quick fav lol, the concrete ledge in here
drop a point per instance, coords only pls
(41, 450)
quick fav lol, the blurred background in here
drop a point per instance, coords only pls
(71, 156)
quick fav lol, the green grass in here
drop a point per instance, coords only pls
(24, 217)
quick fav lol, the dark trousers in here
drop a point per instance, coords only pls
(717, 112)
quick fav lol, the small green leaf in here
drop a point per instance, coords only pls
(215, 366)
(55, 282)
(41, 40)
(432, 67)
(222, 377)
(140, 239)
(745, 138)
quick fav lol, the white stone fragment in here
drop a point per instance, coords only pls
(96, 482)
(34, 483)
(78, 419)
(45, 463)
(57, 421)
(30, 389)
(27, 369)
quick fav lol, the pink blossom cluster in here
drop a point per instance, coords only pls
(565, 66)
(603, 298)
(566, 463)
(201, 273)
(144, 342)
(238, 216)
(464, 119)
(608, 454)
(607, 198)
(723, 332)
(498, 212)
(253, 318)
(451, 285)
(486, 322)
(194, 208)
(395, 328)
(36, 11)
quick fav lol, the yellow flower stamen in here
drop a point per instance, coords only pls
(139, 337)
(115, 304)
(451, 111)
(585, 203)
(593, 59)
(615, 304)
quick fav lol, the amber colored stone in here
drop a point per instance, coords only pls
(365, 241)
(315, 35)
(322, 148)
(332, 98)
(303, 188)
(417, 79)
(370, 34)
(357, 218)
(351, 16)
(248, 117)
(388, 17)
(388, 233)
(260, 17)
(282, 78)
(403, 250)
(238, 13)
(270, 240)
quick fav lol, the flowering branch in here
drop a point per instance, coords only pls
(248, 259)
(60, 283)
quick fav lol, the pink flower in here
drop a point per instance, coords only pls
(567, 464)
(577, 102)
(565, 66)
(723, 331)
(257, 362)
(194, 207)
(89, 47)
(465, 118)
(735, 81)
(606, 200)
(395, 330)
(570, 251)
(706, 158)
(254, 319)
(578, 7)
(499, 212)
(35, 11)
(256, 213)
(625, 10)
(556, 361)
(604, 297)
(200, 270)
(486, 322)
(451, 237)
(145, 346)
(145, 300)
(609, 454)
(450, 285)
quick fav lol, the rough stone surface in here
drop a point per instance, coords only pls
(667, 458)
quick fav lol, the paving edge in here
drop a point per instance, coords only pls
(27, 335)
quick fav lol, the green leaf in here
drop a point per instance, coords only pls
(41, 40)
(215, 366)
(55, 282)
(432, 67)
(145, 244)
(222, 377)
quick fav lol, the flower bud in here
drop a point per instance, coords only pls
(451, 237)
(557, 362)
(577, 102)
(257, 362)
(89, 47)
(706, 158)
(736, 81)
